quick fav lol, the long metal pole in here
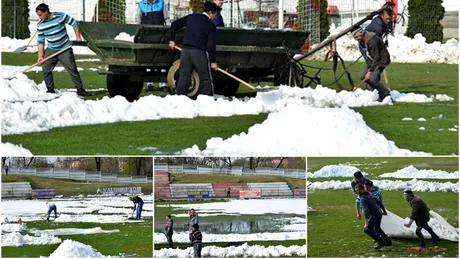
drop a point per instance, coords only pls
(14, 19)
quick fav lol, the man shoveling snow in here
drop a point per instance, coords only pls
(51, 207)
(138, 204)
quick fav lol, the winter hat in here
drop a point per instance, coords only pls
(210, 6)
(358, 32)
(369, 182)
(195, 226)
(408, 192)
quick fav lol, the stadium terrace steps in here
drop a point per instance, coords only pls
(162, 186)
(181, 190)
(271, 189)
(220, 189)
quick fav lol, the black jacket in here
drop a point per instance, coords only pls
(378, 27)
(377, 53)
(199, 34)
(195, 237)
(420, 212)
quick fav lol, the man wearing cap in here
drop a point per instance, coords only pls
(196, 239)
(421, 215)
(373, 210)
(377, 59)
(198, 48)
(370, 187)
(358, 178)
(169, 230)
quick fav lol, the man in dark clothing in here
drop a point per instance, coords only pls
(140, 203)
(199, 48)
(359, 178)
(169, 230)
(219, 21)
(377, 60)
(421, 215)
(372, 210)
(228, 193)
(196, 239)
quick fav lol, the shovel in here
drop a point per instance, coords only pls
(45, 59)
(21, 49)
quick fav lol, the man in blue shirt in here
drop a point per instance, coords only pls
(198, 48)
(51, 28)
(219, 21)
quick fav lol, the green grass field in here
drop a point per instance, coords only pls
(69, 188)
(133, 240)
(334, 231)
(428, 79)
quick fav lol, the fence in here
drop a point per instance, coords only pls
(77, 175)
(194, 169)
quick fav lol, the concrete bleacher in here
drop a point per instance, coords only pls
(162, 186)
(271, 189)
(181, 190)
(220, 189)
(16, 190)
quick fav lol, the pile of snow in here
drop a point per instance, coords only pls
(16, 239)
(309, 209)
(402, 49)
(412, 172)
(125, 37)
(240, 251)
(389, 185)
(335, 171)
(73, 231)
(183, 237)
(74, 249)
(14, 150)
(248, 207)
(333, 132)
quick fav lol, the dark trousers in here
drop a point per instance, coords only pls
(139, 209)
(424, 225)
(49, 213)
(197, 250)
(170, 241)
(153, 18)
(374, 81)
(374, 231)
(228, 195)
(197, 59)
(67, 60)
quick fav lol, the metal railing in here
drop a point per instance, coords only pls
(239, 171)
(79, 175)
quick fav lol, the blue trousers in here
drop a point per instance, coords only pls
(139, 209)
(49, 212)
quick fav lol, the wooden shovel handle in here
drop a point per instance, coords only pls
(51, 56)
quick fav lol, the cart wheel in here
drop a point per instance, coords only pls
(173, 77)
(292, 72)
(121, 85)
(224, 85)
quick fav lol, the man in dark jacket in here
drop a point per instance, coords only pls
(377, 60)
(219, 21)
(169, 230)
(421, 215)
(196, 239)
(138, 204)
(373, 210)
(199, 48)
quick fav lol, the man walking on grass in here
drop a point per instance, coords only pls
(196, 239)
(169, 230)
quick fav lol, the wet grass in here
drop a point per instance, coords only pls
(428, 79)
(334, 231)
(69, 188)
(133, 240)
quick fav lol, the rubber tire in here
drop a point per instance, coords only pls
(173, 77)
(223, 85)
(120, 85)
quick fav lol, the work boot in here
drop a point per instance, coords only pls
(434, 240)
(149, 87)
(51, 91)
(387, 241)
(83, 92)
(422, 248)
(380, 245)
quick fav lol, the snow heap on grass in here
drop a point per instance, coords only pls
(14, 150)
(240, 251)
(73, 231)
(412, 172)
(125, 37)
(305, 130)
(402, 49)
(389, 185)
(248, 207)
(335, 171)
(74, 249)
(183, 237)
(16, 239)
(309, 209)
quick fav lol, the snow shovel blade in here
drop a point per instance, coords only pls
(20, 49)
(266, 89)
